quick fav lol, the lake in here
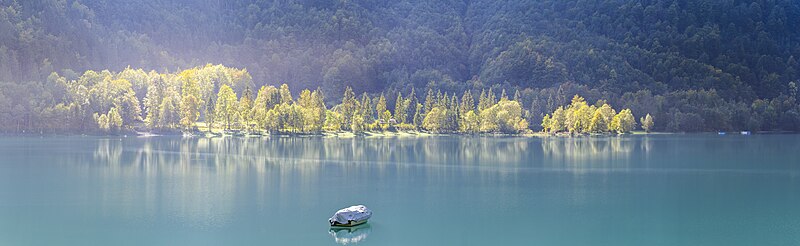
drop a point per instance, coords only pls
(630, 190)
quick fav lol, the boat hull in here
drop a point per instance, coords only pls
(349, 223)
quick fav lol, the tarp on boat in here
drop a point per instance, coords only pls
(356, 213)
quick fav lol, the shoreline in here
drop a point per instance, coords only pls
(371, 134)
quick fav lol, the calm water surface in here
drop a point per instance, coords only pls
(636, 190)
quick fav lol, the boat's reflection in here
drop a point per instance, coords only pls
(350, 235)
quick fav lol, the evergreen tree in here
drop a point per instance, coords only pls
(245, 108)
(418, 117)
(286, 95)
(467, 103)
(440, 99)
(452, 114)
(483, 101)
(490, 98)
(383, 114)
(318, 120)
(348, 108)
(367, 111)
(400, 109)
(411, 104)
(429, 101)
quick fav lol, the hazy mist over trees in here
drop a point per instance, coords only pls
(692, 65)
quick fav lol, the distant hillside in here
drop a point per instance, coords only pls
(739, 51)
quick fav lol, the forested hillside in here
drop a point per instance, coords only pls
(693, 65)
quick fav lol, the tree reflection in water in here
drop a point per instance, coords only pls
(197, 180)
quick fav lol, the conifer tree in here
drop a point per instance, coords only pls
(367, 112)
(411, 105)
(482, 101)
(348, 108)
(490, 98)
(383, 113)
(418, 117)
(400, 109)
(286, 95)
(467, 103)
(429, 101)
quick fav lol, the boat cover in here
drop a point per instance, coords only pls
(358, 212)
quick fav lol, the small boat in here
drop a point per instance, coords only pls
(350, 216)
(745, 132)
(721, 133)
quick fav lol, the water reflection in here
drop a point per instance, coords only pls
(595, 154)
(350, 235)
(198, 181)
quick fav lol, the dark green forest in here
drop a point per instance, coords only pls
(702, 65)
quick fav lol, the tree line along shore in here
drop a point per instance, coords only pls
(216, 97)
(220, 100)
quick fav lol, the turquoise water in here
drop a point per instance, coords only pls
(635, 190)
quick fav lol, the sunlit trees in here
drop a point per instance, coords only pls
(245, 110)
(579, 115)
(435, 120)
(110, 122)
(366, 112)
(169, 117)
(312, 108)
(264, 103)
(546, 123)
(190, 101)
(429, 101)
(114, 120)
(623, 122)
(647, 123)
(226, 108)
(383, 113)
(348, 108)
(580, 118)
(400, 109)
(470, 123)
(102, 122)
(601, 119)
(333, 121)
(505, 117)
(558, 121)
(156, 90)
